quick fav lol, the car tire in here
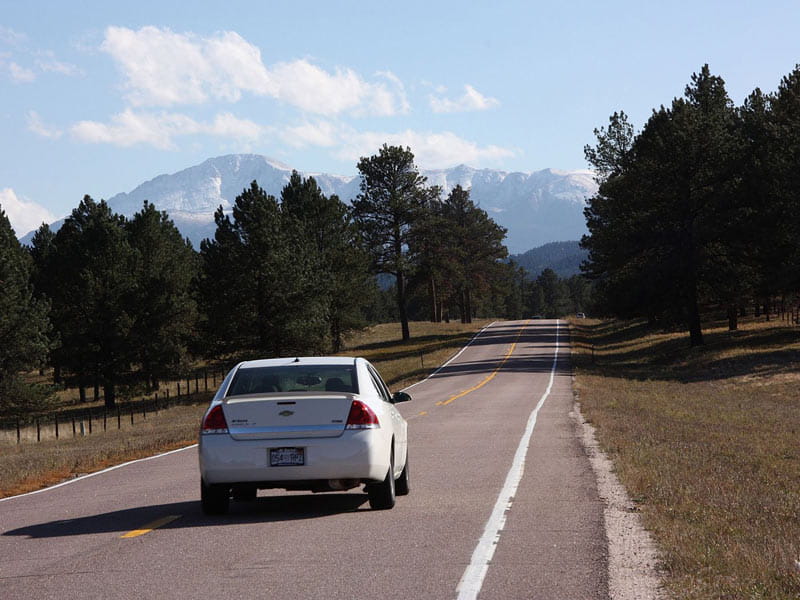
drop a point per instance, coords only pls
(403, 484)
(214, 499)
(245, 494)
(382, 495)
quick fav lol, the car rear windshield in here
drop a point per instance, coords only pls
(294, 378)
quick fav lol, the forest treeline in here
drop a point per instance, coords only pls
(115, 304)
(698, 212)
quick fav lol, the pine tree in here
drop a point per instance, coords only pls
(321, 228)
(661, 236)
(478, 245)
(24, 327)
(258, 288)
(163, 309)
(93, 297)
(392, 197)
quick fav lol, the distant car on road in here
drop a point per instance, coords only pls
(580, 316)
(537, 317)
(313, 423)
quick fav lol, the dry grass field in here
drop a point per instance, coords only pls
(30, 465)
(707, 442)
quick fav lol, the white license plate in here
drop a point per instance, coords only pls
(287, 457)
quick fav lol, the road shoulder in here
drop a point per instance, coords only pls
(632, 555)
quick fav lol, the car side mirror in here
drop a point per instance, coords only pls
(400, 397)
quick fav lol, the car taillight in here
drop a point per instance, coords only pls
(215, 421)
(361, 417)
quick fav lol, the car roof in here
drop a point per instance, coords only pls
(300, 360)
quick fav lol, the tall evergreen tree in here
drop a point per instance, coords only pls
(163, 310)
(660, 226)
(478, 245)
(258, 288)
(392, 197)
(24, 326)
(93, 297)
(322, 228)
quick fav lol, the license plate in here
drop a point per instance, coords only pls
(287, 457)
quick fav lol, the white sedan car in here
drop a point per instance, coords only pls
(319, 424)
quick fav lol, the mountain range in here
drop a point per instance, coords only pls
(536, 208)
(564, 258)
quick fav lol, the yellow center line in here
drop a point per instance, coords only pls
(491, 375)
(150, 526)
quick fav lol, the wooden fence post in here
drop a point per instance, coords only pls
(119, 418)
(38, 431)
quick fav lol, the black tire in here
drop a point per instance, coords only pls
(403, 484)
(382, 495)
(245, 494)
(214, 499)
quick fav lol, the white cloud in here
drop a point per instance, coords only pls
(12, 38)
(37, 126)
(164, 68)
(470, 101)
(321, 133)
(227, 125)
(51, 65)
(21, 74)
(130, 128)
(24, 215)
(431, 150)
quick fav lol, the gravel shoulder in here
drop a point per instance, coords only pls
(632, 554)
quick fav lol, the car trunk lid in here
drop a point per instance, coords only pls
(286, 416)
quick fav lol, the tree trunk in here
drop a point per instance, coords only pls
(401, 305)
(693, 314)
(82, 393)
(468, 305)
(733, 317)
(110, 394)
(434, 303)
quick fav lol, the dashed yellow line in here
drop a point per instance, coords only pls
(489, 377)
(150, 526)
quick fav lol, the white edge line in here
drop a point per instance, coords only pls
(452, 358)
(125, 464)
(472, 580)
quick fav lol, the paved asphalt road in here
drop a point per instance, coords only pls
(67, 542)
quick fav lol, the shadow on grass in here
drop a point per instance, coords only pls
(261, 510)
(621, 349)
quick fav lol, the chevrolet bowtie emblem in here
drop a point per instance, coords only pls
(286, 413)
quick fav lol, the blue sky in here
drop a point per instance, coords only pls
(98, 97)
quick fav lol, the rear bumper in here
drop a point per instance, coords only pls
(361, 455)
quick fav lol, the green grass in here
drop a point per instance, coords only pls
(706, 441)
(30, 465)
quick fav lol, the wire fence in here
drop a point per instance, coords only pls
(79, 421)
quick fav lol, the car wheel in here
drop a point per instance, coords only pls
(403, 484)
(382, 495)
(214, 498)
(245, 494)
